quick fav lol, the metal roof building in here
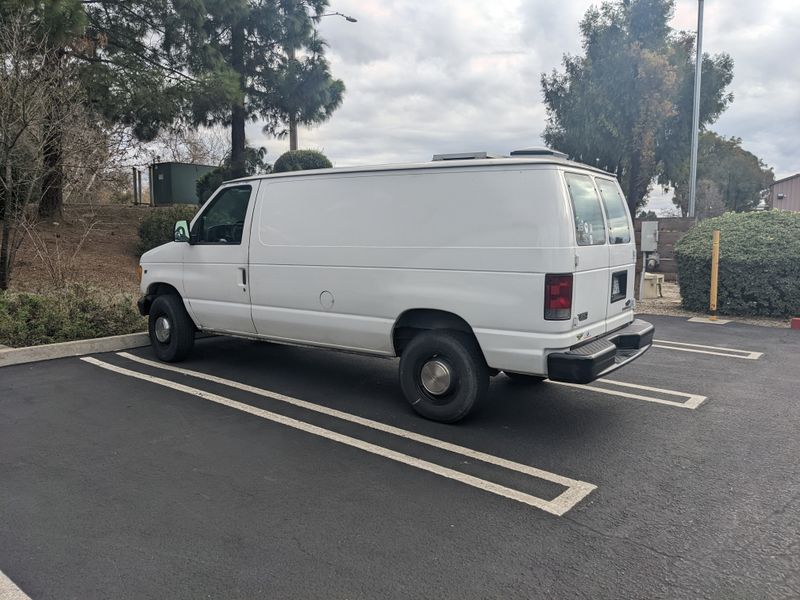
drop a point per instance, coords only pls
(784, 194)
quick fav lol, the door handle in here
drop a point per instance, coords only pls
(243, 271)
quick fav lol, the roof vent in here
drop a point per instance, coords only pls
(465, 156)
(539, 151)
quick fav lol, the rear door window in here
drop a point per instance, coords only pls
(619, 229)
(590, 227)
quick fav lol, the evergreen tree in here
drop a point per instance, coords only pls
(623, 105)
(240, 52)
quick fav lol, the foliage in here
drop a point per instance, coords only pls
(238, 52)
(158, 227)
(726, 171)
(255, 164)
(304, 92)
(759, 268)
(625, 104)
(123, 76)
(70, 313)
(32, 82)
(301, 160)
(152, 65)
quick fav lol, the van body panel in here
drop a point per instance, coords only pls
(591, 278)
(215, 276)
(397, 250)
(333, 258)
(621, 256)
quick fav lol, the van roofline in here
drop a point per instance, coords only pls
(447, 164)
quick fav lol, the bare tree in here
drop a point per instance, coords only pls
(30, 85)
(207, 145)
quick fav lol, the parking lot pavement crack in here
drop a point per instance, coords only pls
(301, 547)
(674, 557)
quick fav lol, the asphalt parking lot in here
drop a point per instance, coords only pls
(283, 472)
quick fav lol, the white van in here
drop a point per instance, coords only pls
(463, 267)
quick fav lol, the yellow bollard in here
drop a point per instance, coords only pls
(714, 273)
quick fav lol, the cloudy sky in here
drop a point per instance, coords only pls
(429, 76)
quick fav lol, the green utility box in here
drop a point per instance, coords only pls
(176, 183)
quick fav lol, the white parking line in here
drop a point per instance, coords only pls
(715, 350)
(575, 492)
(691, 401)
(9, 590)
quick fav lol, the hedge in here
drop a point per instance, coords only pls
(158, 227)
(759, 266)
(301, 160)
(75, 312)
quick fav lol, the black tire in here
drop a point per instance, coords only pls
(522, 379)
(469, 374)
(181, 328)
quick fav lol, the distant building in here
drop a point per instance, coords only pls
(175, 183)
(784, 194)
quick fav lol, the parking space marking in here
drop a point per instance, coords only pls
(691, 401)
(701, 349)
(9, 590)
(575, 492)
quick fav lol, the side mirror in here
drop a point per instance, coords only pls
(181, 232)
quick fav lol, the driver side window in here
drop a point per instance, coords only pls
(223, 221)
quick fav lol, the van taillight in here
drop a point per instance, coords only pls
(557, 297)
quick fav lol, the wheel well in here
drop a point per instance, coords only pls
(415, 321)
(154, 290)
(161, 289)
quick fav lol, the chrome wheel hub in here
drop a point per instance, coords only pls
(436, 377)
(163, 329)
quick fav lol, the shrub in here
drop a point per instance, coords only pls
(72, 313)
(301, 160)
(209, 182)
(759, 266)
(157, 228)
(254, 163)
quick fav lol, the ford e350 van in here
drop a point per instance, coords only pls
(463, 267)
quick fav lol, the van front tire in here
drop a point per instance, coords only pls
(443, 375)
(171, 329)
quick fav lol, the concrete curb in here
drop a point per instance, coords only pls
(114, 343)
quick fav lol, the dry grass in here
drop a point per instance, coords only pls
(106, 236)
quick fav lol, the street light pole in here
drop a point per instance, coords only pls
(698, 71)
(292, 57)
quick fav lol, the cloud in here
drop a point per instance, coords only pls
(429, 76)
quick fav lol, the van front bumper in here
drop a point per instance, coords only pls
(601, 356)
(143, 304)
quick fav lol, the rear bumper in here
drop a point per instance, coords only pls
(584, 364)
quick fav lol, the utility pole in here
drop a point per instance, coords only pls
(698, 71)
(292, 117)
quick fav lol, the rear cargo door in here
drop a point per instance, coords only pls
(621, 253)
(591, 279)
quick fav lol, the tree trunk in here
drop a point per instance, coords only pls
(5, 266)
(292, 132)
(52, 152)
(633, 193)
(238, 117)
(53, 178)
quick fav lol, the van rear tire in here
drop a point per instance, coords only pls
(171, 329)
(443, 375)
